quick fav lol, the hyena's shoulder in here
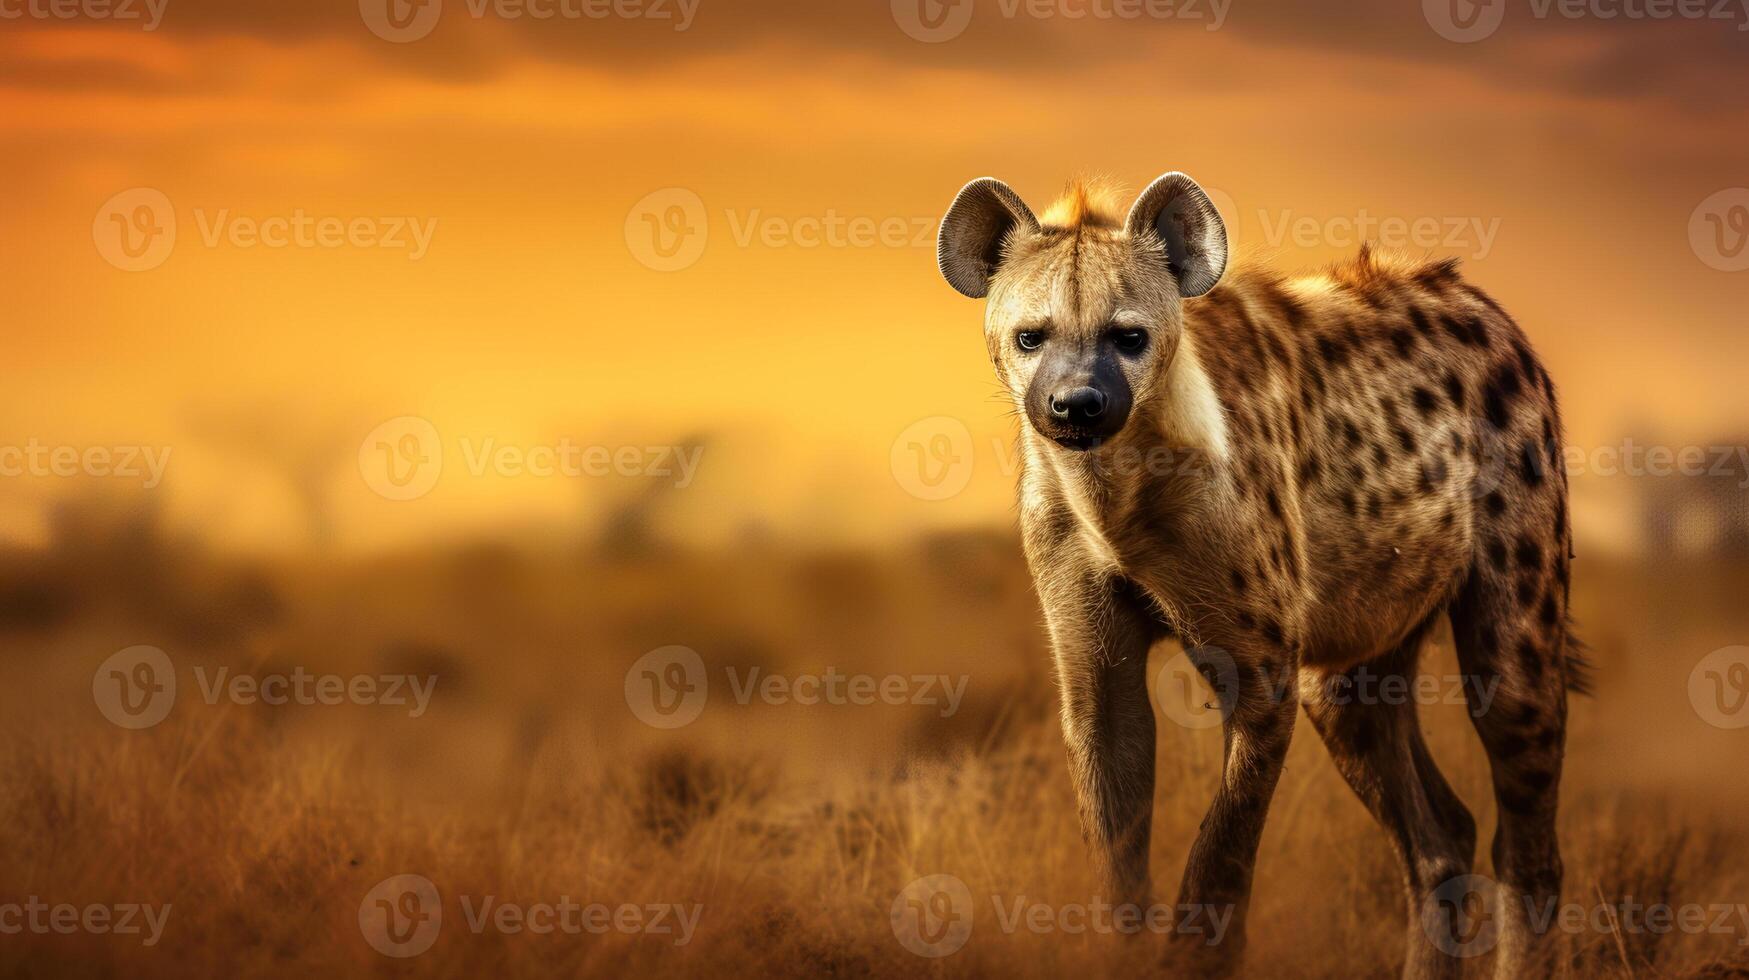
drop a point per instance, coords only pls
(1401, 333)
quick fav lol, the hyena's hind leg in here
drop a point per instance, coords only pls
(1379, 750)
(1511, 630)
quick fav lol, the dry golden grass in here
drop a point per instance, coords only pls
(793, 826)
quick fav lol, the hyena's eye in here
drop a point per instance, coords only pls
(1029, 340)
(1130, 341)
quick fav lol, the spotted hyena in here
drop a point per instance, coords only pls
(1296, 477)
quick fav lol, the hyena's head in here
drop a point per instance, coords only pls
(1084, 311)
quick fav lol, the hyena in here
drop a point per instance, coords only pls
(1295, 477)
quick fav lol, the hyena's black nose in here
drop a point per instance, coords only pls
(1078, 406)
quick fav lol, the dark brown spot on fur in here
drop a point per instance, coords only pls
(1404, 342)
(1459, 329)
(1350, 432)
(1272, 631)
(1497, 554)
(1525, 361)
(1454, 389)
(1526, 592)
(1529, 553)
(1532, 464)
(1532, 659)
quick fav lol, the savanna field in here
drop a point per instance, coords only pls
(782, 832)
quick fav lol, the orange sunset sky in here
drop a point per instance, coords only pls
(1572, 160)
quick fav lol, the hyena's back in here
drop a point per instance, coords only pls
(1410, 434)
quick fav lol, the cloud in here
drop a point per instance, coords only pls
(1693, 65)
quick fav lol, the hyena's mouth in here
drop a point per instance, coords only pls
(1079, 442)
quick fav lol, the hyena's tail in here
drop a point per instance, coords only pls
(1576, 667)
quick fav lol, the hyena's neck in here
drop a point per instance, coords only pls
(1191, 417)
(1157, 482)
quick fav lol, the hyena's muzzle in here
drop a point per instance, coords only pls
(1079, 396)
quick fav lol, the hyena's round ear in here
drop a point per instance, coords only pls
(1177, 211)
(977, 225)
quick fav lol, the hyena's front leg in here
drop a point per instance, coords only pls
(1101, 629)
(1259, 702)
